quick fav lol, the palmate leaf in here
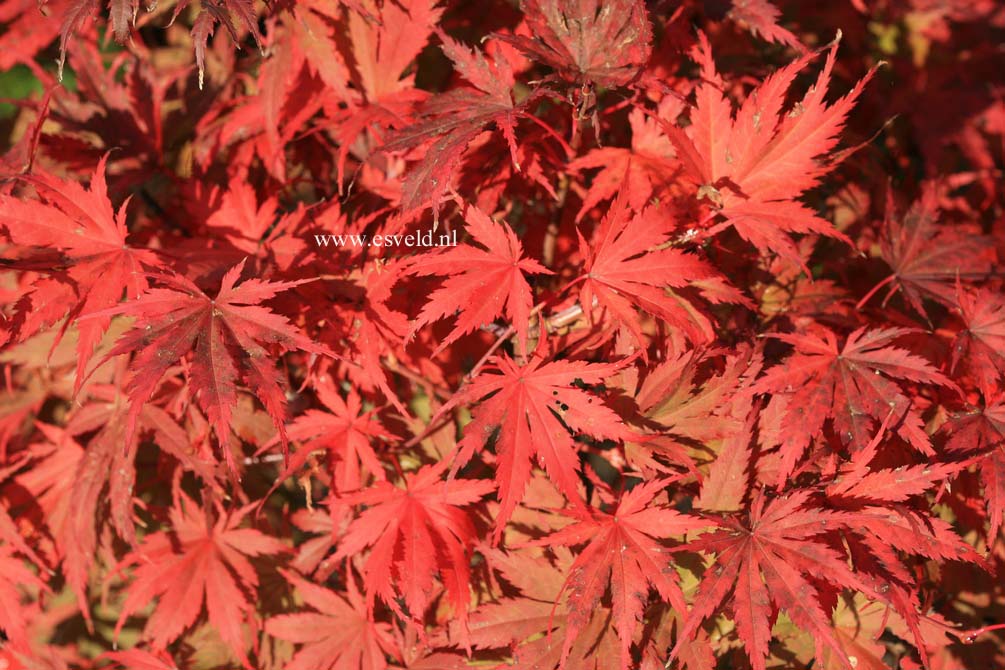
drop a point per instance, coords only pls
(979, 348)
(345, 432)
(230, 337)
(928, 259)
(16, 578)
(94, 265)
(140, 659)
(449, 122)
(622, 551)
(982, 430)
(531, 405)
(754, 166)
(761, 18)
(198, 561)
(852, 386)
(28, 30)
(769, 559)
(699, 442)
(645, 170)
(122, 13)
(482, 284)
(384, 45)
(602, 42)
(625, 269)
(534, 624)
(413, 534)
(338, 634)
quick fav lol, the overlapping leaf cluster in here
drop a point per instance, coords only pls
(713, 377)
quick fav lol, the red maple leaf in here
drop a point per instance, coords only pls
(603, 42)
(754, 166)
(623, 551)
(648, 169)
(851, 385)
(628, 267)
(928, 259)
(91, 264)
(338, 635)
(761, 17)
(979, 348)
(534, 406)
(219, 11)
(230, 334)
(450, 121)
(483, 284)
(415, 533)
(140, 659)
(770, 558)
(384, 44)
(345, 432)
(376, 328)
(122, 12)
(200, 560)
(982, 430)
(860, 480)
(28, 30)
(16, 579)
(693, 401)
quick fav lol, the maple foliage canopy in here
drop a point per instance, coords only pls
(533, 334)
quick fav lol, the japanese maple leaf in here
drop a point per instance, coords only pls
(692, 405)
(121, 13)
(538, 578)
(772, 558)
(106, 472)
(242, 222)
(112, 111)
(16, 579)
(215, 12)
(450, 121)
(181, 318)
(622, 550)
(107, 464)
(415, 533)
(624, 270)
(140, 659)
(645, 170)
(377, 329)
(852, 385)
(752, 167)
(482, 284)
(876, 536)
(385, 48)
(338, 635)
(345, 432)
(980, 346)
(761, 17)
(927, 259)
(93, 265)
(28, 32)
(533, 407)
(983, 430)
(76, 12)
(383, 51)
(603, 42)
(528, 624)
(197, 561)
(859, 479)
(312, 553)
